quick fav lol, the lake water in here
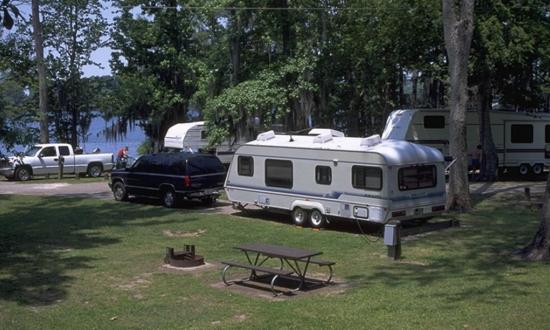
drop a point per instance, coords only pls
(96, 139)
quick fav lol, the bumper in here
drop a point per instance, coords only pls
(7, 172)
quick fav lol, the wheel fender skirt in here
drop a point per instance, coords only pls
(308, 205)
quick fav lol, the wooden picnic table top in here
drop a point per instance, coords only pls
(278, 251)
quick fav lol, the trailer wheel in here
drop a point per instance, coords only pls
(23, 174)
(299, 216)
(524, 169)
(537, 169)
(317, 219)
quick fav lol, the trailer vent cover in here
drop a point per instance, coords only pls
(323, 138)
(371, 140)
(266, 136)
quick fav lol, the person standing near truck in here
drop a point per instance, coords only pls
(121, 157)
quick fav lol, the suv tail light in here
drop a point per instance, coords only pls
(187, 181)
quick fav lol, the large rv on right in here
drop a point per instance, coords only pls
(522, 139)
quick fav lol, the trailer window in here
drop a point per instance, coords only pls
(323, 174)
(521, 133)
(245, 166)
(365, 177)
(417, 177)
(547, 134)
(434, 121)
(278, 173)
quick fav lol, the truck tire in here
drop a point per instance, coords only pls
(168, 197)
(119, 192)
(317, 219)
(23, 173)
(299, 216)
(95, 170)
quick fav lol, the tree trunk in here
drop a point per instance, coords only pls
(458, 25)
(489, 160)
(539, 248)
(41, 68)
(414, 88)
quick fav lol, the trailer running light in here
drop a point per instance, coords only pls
(187, 181)
(396, 214)
(438, 208)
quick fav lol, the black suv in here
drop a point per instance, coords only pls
(171, 177)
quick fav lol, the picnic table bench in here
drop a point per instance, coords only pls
(292, 257)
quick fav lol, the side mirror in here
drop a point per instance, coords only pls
(40, 155)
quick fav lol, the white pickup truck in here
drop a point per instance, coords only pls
(43, 159)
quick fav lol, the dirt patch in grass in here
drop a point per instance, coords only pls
(166, 268)
(183, 233)
(139, 282)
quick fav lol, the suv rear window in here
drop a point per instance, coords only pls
(204, 165)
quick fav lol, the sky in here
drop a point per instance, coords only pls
(101, 55)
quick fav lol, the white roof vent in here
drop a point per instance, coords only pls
(371, 140)
(266, 136)
(323, 137)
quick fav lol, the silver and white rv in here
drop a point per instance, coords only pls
(193, 137)
(322, 177)
(522, 139)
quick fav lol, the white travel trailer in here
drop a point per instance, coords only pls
(522, 139)
(192, 137)
(322, 177)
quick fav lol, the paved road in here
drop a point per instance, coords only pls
(91, 189)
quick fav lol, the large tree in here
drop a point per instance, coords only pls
(73, 30)
(41, 69)
(539, 248)
(458, 26)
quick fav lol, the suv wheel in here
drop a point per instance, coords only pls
(169, 198)
(119, 192)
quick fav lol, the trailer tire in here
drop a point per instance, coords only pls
(95, 170)
(524, 169)
(299, 216)
(317, 219)
(23, 173)
(537, 169)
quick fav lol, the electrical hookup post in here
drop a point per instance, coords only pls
(60, 162)
(392, 239)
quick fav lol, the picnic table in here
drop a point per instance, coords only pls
(297, 260)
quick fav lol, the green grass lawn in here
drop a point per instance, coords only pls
(76, 264)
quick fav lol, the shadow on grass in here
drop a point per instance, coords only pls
(341, 225)
(37, 235)
(473, 263)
